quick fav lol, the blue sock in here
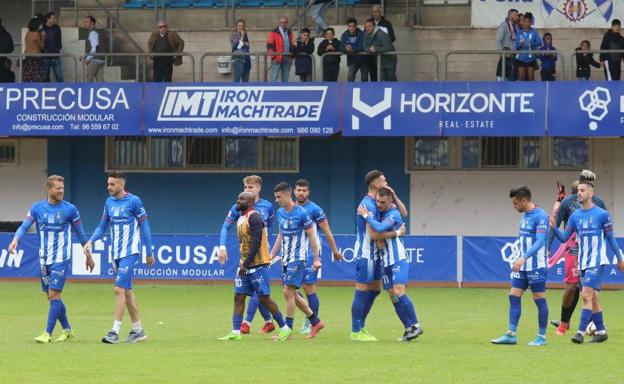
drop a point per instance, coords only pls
(515, 310)
(586, 316)
(399, 308)
(314, 319)
(314, 303)
(356, 309)
(63, 316)
(53, 314)
(236, 322)
(289, 322)
(279, 318)
(368, 304)
(409, 307)
(264, 311)
(542, 315)
(251, 308)
(598, 321)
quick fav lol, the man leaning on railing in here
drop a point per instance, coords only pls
(378, 42)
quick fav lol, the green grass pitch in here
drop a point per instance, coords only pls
(183, 323)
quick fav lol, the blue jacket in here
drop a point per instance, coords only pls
(527, 41)
(357, 44)
(548, 61)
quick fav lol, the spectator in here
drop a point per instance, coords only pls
(351, 43)
(331, 62)
(93, 61)
(612, 61)
(316, 10)
(33, 43)
(52, 44)
(6, 74)
(165, 41)
(377, 42)
(6, 46)
(303, 50)
(505, 38)
(509, 67)
(280, 40)
(584, 60)
(240, 44)
(381, 22)
(527, 39)
(549, 60)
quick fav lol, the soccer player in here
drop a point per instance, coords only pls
(529, 270)
(368, 264)
(253, 184)
(569, 251)
(252, 277)
(125, 213)
(55, 219)
(302, 194)
(396, 268)
(593, 228)
(296, 229)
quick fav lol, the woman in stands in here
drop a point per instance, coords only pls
(527, 39)
(584, 60)
(240, 43)
(33, 43)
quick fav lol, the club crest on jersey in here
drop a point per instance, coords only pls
(58, 216)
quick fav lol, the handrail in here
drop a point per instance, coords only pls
(136, 56)
(503, 54)
(257, 55)
(591, 51)
(393, 53)
(116, 21)
(21, 56)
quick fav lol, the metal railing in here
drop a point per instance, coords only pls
(143, 64)
(21, 56)
(503, 54)
(574, 64)
(261, 75)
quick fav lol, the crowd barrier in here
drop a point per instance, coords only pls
(432, 259)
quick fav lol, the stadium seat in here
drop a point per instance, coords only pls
(207, 3)
(250, 3)
(136, 4)
(273, 3)
(180, 3)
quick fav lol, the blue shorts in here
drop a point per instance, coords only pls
(310, 275)
(367, 271)
(125, 271)
(293, 274)
(396, 274)
(53, 276)
(535, 279)
(256, 282)
(592, 277)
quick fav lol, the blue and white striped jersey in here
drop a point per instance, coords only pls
(533, 229)
(591, 227)
(364, 247)
(54, 225)
(318, 216)
(292, 226)
(394, 249)
(125, 215)
(262, 206)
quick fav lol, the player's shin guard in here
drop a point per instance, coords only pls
(314, 303)
(401, 310)
(279, 318)
(542, 315)
(411, 311)
(236, 322)
(586, 316)
(357, 308)
(53, 314)
(253, 305)
(515, 310)
(264, 311)
(598, 321)
(368, 304)
(63, 316)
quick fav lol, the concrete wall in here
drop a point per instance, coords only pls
(21, 184)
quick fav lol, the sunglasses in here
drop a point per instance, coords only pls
(162, 26)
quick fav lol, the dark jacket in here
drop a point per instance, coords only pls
(275, 43)
(583, 61)
(549, 61)
(52, 43)
(235, 39)
(175, 42)
(6, 41)
(329, 60)
(387, 25)
(612, 40)
(381, 41)
(303, 61)
(357, 44)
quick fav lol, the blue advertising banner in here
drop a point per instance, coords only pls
(445, 109)
(222, 109)
(63, 109)
(586, 108)
(195, 257)
(489, 259)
